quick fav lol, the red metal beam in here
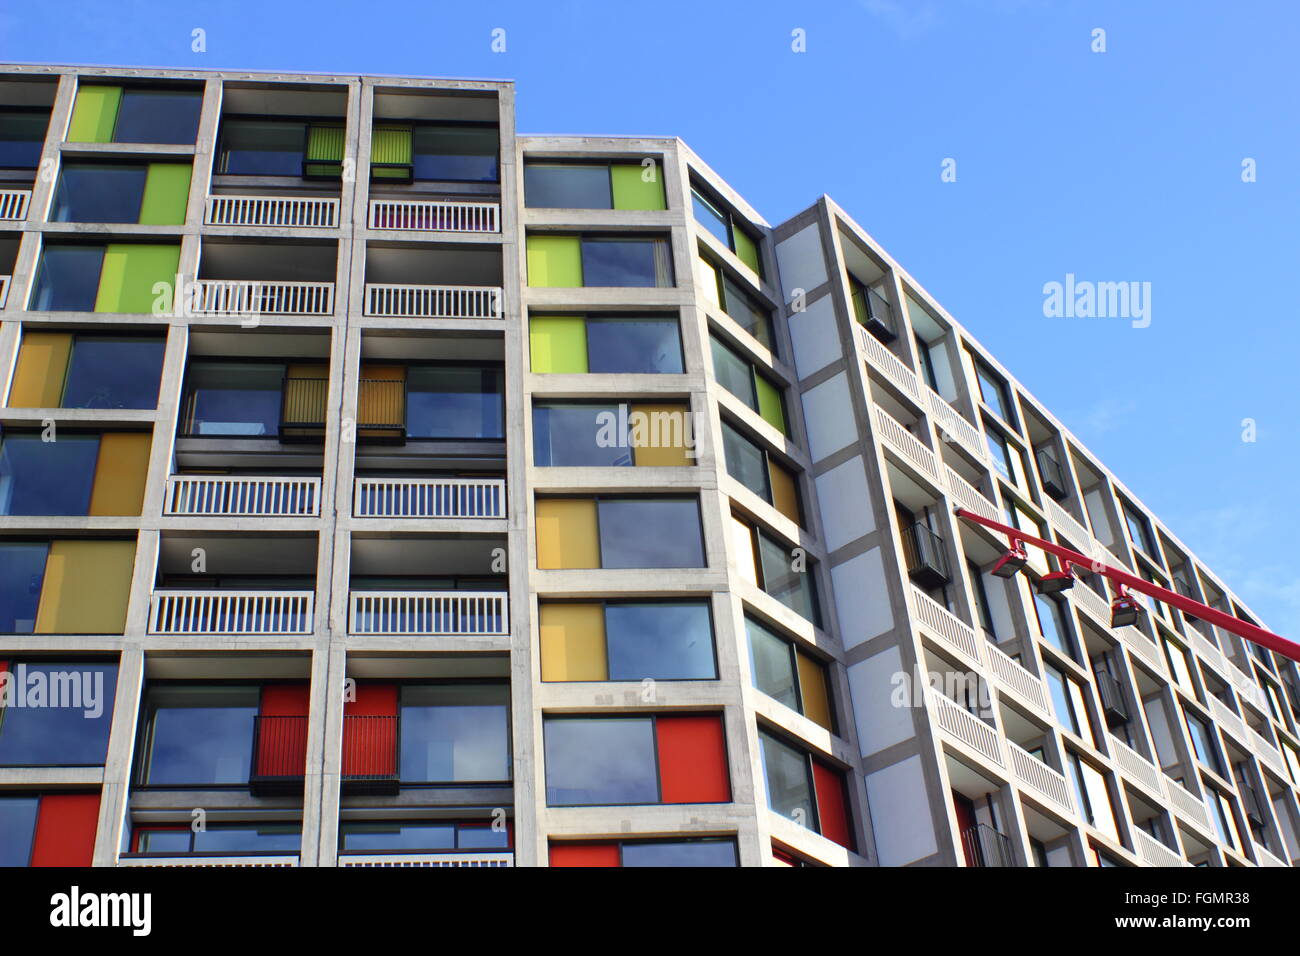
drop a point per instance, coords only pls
(1236, 625)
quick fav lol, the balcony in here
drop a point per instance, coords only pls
(312, 212)
(430, 498)
(429, 614)
(1227, 719)
(986, 846)
(927, 559)
(970, 497)
(1155, 853)
(191, 612)
(1267, 751)
(199, 860)
(889, 365)
(1188, 805)
(279, 758)
(234, 496)
(14, 204)
(965, 727)
(905, 444)
(873, 312)
(1137, 767)
(1040, 778)
(1068, 525)
(254, 297)
(1015, 678)
(1051, 474)
(371, 751)
(400, 301)
(949, 629)
(1112, 699)
(953, 427)
(1092, 602)
(426, 215)
(500, 858)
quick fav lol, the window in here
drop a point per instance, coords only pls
(1139, 530)
(598, 261)
(113, 114)
(806, 790)
(98, 193)
(1203, 742)
(261, 148)
(724, 293)
(1225, 821)
(118, 277)
(455, 401)
(22, 568)
(455, 733)
(56, 714)
(753, 466)
(726, 227)
(113, 372)
(1069, 705)
(65, 822)
(1052, 622)
(582, 433)
(1006, 457)
(741, 378)
(1178, 665)
(453, 153)
(871, 310)
(17, 828)
(627, 641)
(657, 853)
(412, 836)
(68, 278)
(198, 736)
(1093, 796)
(982, 611)
(611, 533)
(788, 674)
(593, 186)
(233, 398)
(578, 344)
(769, 565)
(994, 392)
(22, 138)
(606, 761)
(926, 359)
(39, 477)
(219, 839)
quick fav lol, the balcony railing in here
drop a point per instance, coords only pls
(230, 496)
(943, 624)
(501, 858)
(199, 860)
(970, 497)
(370, 753)
(14, 203)
(183, 612)
(965, 727)
(906, 444)
(1227, 718)
(4, 290)
(290, 211)
(245, 297)
(954, 426)
(386, 300)
(1092, 602)
(1267, 751)
(1069, 525)
(1188, 804)
(890, 365)
(423, 215)
(1145, 648)
(279, 759)
(1137, 766)
(986, 846)
(430, 498)
(1267, 858)
(1039, 777)
(927, 559)
(1012, 675)
(1155, 853)
(429, 614)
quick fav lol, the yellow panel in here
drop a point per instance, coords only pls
(86, 587)
(742, 546)
(785, 493)
(573, 642)
(566, 533)
(660, 434)
(1037, 557)
(706, 280)
(41, 369)
(120, 473)
(377, 402)
(812, 689)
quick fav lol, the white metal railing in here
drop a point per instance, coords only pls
(1247, 689)
(1188, 804)
(207, 861)
(970, 497)
(1092, 602)
(1070, 526)
(1137, 766)
(427, 859)
(1155, 853)
(4, 290)
(945, 625)
(426, 215)
(906, 444)
(307, 211)
(430, 498)
(14, 203)
(951, 422)
(1013, 676)
(890, 365)
(390, 300)
(258, 297)
(231, 612)
(242, 495)
(1267, 858)
(1144, 647)
(1266, 751)
(1039, 777)
(1226, 718)
(1207, 649)
(429, 613)
(966, 727)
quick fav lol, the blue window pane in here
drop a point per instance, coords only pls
(262, 149)
(68, 279)
(792, 587)
(454, 402)
(251, 839)
(398, 837)
(229, 398)
(650, 533)
(1061, 705)
(17, 828)
(67, 725)
(22, 137)
(772, 665)
(567, 187)
(455, 734)
(47, 477)
(158, 116)
(201, 735)
(1051, 625)
(164, 841)
(600, 761)
(753, 317)
(624, 263)
(785, 771)
(98, 193)
(733, 373)
(22, 568)
(663, 641)
(633, 345)
(745, 461)
(455, 153)
(710, 218)
(571, 435)
(482, 838)
(113, 373)
(686, 853)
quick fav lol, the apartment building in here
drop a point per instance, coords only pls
(379, 487)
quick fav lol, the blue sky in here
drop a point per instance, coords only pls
(1116, 166)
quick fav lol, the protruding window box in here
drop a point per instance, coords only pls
(927, 562)
(1112, 700)
(1052, 475)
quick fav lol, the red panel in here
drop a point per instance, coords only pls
(65, 829)
(137, 832)
(692, 760)
(965, 811)
(282, 730)
(370, 732)
(832, 805)
(285, 700)
(584, 854)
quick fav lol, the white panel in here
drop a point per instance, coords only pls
(800, 261)
(861, 598)
(874, 688)
(1060, 856)
(845, 503)
(900, 809)
(1165, 751)
(828, 413)
(995, 589)
(1098, 518)
(815, 336)
(943, 372)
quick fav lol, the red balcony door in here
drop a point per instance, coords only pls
(282, 731)
(965, 811)
(370, 732)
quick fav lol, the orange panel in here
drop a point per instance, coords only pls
(832, 806)
(692, 760)
(65, 829)
(584, 854)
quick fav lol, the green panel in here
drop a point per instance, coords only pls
(558, 343)
(95, 114)
(391, 144)
(746, 250)
(126, 282)
(633, 192)
(324, 151)
(769, 402)
(166, 193)
(555, 262)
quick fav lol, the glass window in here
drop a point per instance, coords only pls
(22, 137)
(747, 312)
(789, 785)
(571, 186)
(109, 372)
(634, 345)
(234, 398)
(22, 569)
(733, 373)
(17, 828)
(571, 435)
(1203, 742)
(981, 599)
(994, 392)
(406, 836)
(772, 665)
(625, 262)
(660, 640)
(1062, 706)
(1139, 530)
(158, 116)
(783, 581)
(708, 216)
(70, 727)
(746, 462)
(1051, 622)
(455, 401)
(68, 279)
(455, 733)
(98, 193)
(455, 153)
(600, 761)
(266, 838)
(258, 148)
(650, 533)
(39, 477)
(683, 853)
(200, 736)
(163, 841)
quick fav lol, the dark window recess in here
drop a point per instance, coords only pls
(873, 312)
(22, 137)
(1051, 474)
(986, 846)
(927, 562)
(158, 116)
(1112, 699)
